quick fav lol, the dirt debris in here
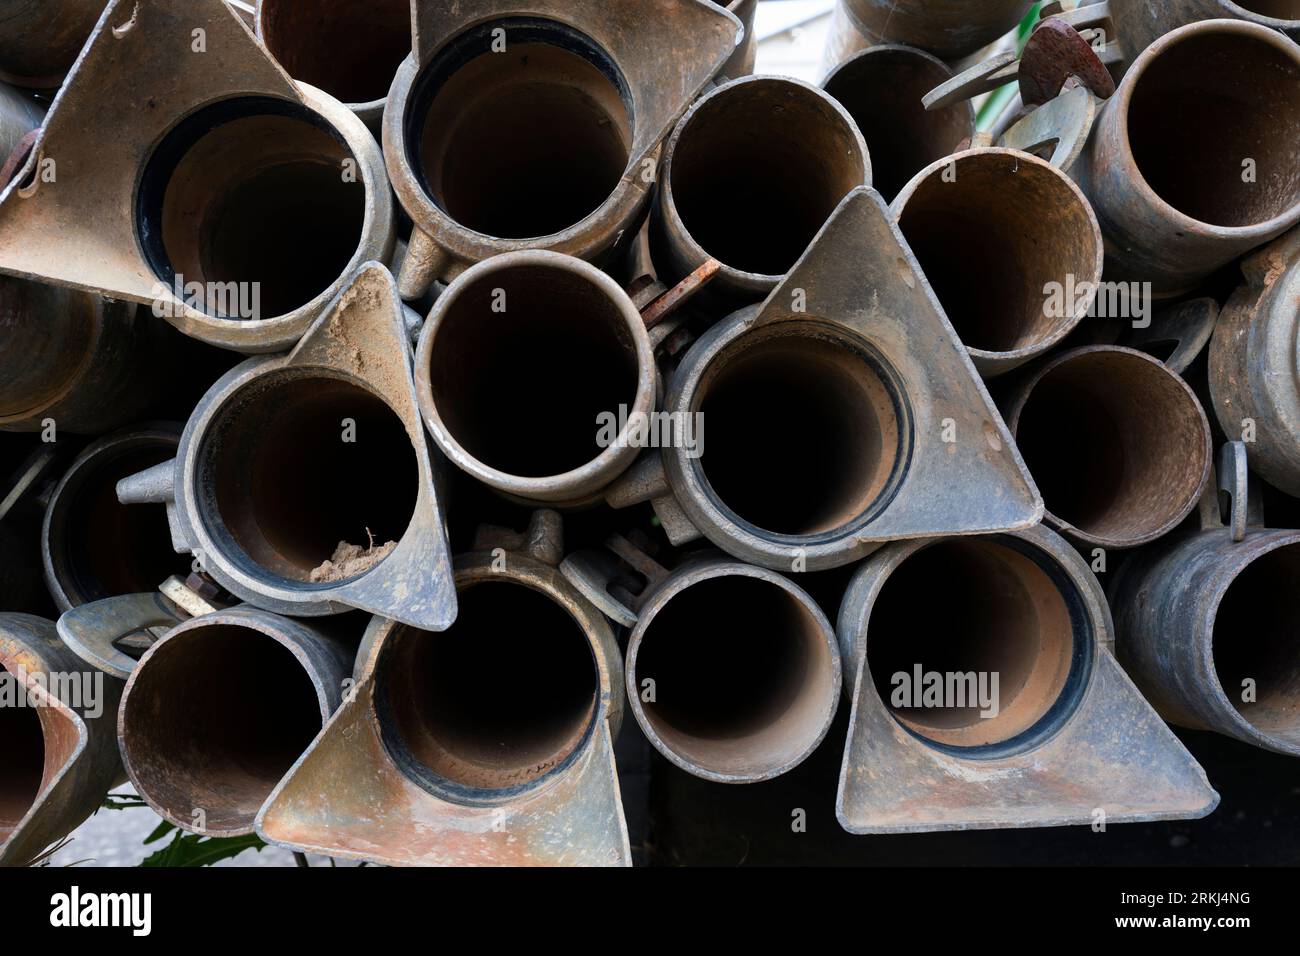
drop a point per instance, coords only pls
(349, 560)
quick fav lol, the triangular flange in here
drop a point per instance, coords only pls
(347, 797)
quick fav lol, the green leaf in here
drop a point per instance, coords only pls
(189, 849)
(159, 832)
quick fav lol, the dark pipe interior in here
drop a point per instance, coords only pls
(1257, 637)
(992, 239)
(501, 698)
(213, 721)
(741, 674)
(102, 547)
(279, 478)
(521, 389)
(347, 48)
(801, 432)
(882, 91)
(1278, 9)
(964, 607)
(1202, 108)
(1115, 444)
(247, 192)
(758, 170)
(526, 142)
(24, 761)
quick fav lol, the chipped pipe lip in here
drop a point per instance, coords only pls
(854, 617)
(376, 242)
(91, 458)
(697, 572)
(261, 588)
(727, 529)
(755, 283)
(520, 570)
(369, 112)
(578, 485)
(269, 625)
(1114, 118)
(460, 245)
(987, 361)
(1026, 388)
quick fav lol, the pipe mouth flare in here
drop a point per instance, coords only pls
(1117, 444)
(213, 718)
(997, 232)
(306, 478)
(734, 676)
(1212, 117)
(499, 703)
(348, 49)
(522, 360)
(1256, 653)
(251, 208)
(836, 408)
(523, 141)
(756, 168)
(979, 647)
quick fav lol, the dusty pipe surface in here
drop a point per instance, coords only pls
(947, 28)
(750, 175)
(524, 327)
(1254, 380)
(1207, 628)
(512, 129)
(93, 546)
(1110, 477)
(1192, 161)
(88, 364)
(488, 744)
(60, 758)
(881, 88)
(238, 195)
(1139, 23)
(741, 667)
(205, 753)
(40, 39)
(997, 231)
(349, 48)
(303, 482)
(985, 696)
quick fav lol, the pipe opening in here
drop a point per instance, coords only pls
(882, 91)
(759, 167)
(252, 208)
(525, 343)
(212, 721)
(805, 429)
(973, 644)
(100, 547)
(348, 49)
(500, 700)
(24, 760)
(994, 239)
(522, 143)
(300, 462)
(1211, 109)
(1255, 639)
(1116, 444)
(743, 675)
